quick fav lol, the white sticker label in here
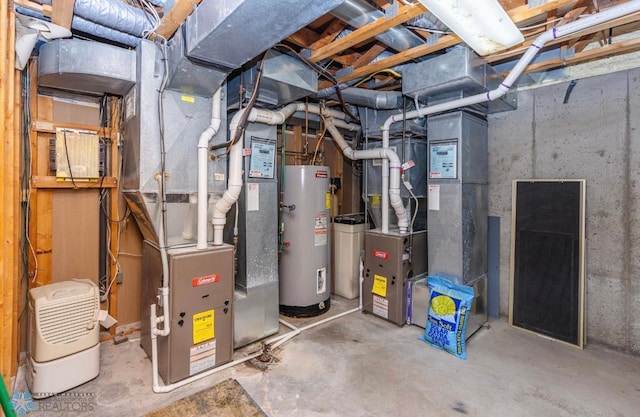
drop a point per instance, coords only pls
(202, 357)
(408, 165)
(218, 176)
(381, 307)
(253, 196)
(321, 230)
(434, 197)
(321, 275)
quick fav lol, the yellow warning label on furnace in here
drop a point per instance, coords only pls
(203, 326)
(379, 285)
(188, 99)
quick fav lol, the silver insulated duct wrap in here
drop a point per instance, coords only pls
(113, 14)
(229, 33)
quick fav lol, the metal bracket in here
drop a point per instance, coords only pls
(305, 53)
(343, 72)
(391, 11)
(536, 3)
(432, 39)
(566, 53)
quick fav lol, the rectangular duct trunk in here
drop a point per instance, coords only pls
(86, 67)
(456, 74)
(253, 25)
(284, 79)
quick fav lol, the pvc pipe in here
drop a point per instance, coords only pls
(187, 227)
(264, 116)
(392, 195)
(203, 159)
(275, 342)
(553, 33)
(234, 186)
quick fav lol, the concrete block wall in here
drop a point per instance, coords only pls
(595, 136)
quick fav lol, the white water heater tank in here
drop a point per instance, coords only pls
(305, 266)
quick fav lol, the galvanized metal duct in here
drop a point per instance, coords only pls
(372, 98)
(230, 33)
(331, 91)
(358, 13)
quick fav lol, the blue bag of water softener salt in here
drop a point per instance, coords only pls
(449, 307)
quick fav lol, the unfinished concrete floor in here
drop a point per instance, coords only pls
(360, 365)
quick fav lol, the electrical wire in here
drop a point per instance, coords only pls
(326, 74)
(439, 32)
(320, 139)
(245, 116)
(386, 70)
(66, 154)
(153, 17)
(27, 168)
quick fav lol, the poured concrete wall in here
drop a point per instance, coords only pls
(595, 136)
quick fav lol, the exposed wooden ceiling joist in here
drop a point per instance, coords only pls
(605, 51)
(367, 32)
(519, 50)
(63, 13)
(177, 15)
(518, 15)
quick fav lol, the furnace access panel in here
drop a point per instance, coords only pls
(390, 260)
(201, 302)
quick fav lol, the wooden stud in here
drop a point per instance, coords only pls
(45, 9)
(63, 13)
(114, 204)
(9, 197)
(368, 56)
(399, 58)
(304, 37)
(176, 16)
(329, 34)
(51, 182)
(519, 50)
(48, 126)
(523, 13)
(617, 48)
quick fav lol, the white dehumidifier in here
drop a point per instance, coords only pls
(64, 334)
